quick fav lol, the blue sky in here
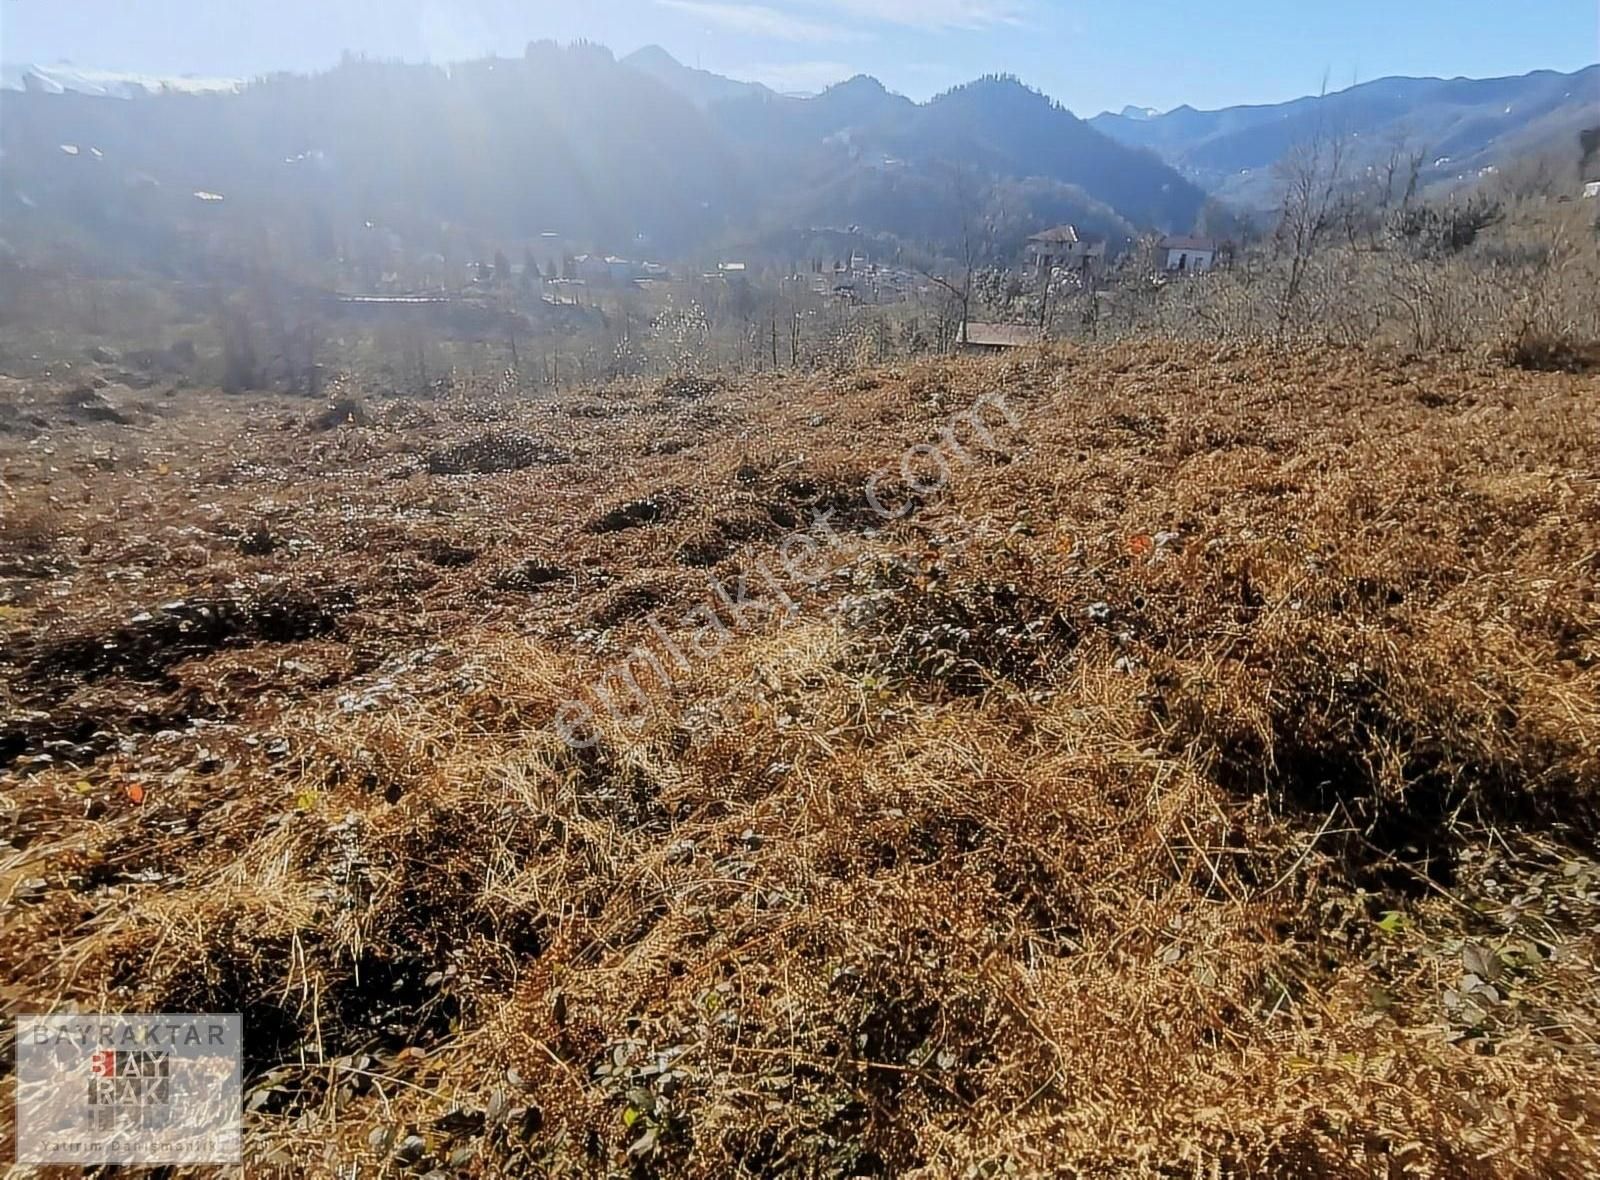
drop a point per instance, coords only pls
(1090, 54)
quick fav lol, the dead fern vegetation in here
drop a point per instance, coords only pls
(1200, 782)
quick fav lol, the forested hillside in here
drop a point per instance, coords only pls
(1460, 126)
(564, 140)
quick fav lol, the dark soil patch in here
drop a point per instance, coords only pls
(1400, 821)
(344, 411)
(845, 499)
(627, 602)
(962, 639)
(1554, 354)
(85, 404)
(595, 411)
(497, 451)
(688, 388)
(33, 566)
(153, 641)
(847, 496)
(258, 542)
(14, 422)
(446, 554)
(530, 575)
(78, 734)
(1145, 426)
(709, 546)
(632, 515)
(704, 549)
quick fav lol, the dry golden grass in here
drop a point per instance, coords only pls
(1200, 783)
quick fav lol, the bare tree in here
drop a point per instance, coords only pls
(975, 245)
(1314, 180)
(1400, 173)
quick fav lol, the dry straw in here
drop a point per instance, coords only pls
(1194, 786)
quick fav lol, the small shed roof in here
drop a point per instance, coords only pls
(1187, 243)
(1001, 335)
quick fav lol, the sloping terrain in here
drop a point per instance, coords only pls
(700, 87)
(450, 162)
(1462, 125)
(558, 139)
(993, 126)
(1190, 771)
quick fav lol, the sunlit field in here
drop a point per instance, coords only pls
(1159, 759)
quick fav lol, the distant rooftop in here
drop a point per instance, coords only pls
(1063, 234)
(1181, 242)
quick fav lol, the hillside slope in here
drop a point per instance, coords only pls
(1198, 777)
(1463, 125)
(701, 87)
(994, 126)
(498, 147)
(456, 162)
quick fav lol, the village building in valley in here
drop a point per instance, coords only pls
(1188, 255)
(1062, 249)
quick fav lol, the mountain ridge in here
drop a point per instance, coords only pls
(607, 152)
(642, 153)
(1463, 125)
(701, 87)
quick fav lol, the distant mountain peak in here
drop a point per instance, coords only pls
(1002, 95)
(860, 84)
(651, 55)
(701, 87)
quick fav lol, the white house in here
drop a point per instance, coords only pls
(1188, 255)
(1592, 190)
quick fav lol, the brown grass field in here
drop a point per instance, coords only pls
(1200, 781)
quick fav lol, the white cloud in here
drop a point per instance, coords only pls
(757, 20)
(796, 77)
(936, 14)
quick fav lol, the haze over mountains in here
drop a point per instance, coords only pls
(65, 77)
(1463, 124)
(648, 157)
(701, 87)
(569, 140)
